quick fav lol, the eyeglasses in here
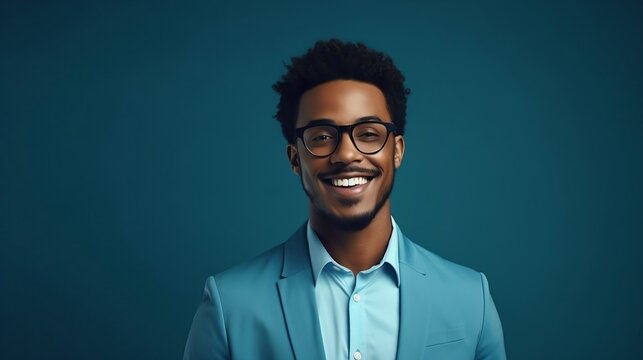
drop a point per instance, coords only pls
(369, 136)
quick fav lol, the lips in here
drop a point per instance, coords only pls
(348, 185)
(349, 182)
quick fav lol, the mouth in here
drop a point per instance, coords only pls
(348, 186)
(348, 181)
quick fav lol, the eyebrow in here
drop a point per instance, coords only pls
(332, 122)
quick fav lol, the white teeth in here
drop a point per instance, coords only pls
(350, 181)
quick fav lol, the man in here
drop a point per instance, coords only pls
(347, 284)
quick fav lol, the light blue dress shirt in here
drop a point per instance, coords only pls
(359, 316)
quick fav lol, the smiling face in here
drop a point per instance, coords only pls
(346, 188)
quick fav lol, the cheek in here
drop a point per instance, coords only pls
(385, 163)
(308, 172)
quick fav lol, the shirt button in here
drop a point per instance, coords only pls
(357, 355)
(357, 298)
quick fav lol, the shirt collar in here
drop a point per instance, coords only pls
(319, 257)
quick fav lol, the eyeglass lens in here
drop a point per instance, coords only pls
(368, 138)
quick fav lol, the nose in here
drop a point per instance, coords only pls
(345, 152)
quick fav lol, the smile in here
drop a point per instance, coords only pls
(349, 182)
(348, 185)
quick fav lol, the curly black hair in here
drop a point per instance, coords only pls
(335, 59)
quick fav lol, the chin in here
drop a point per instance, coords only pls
(356, 214)
(350, 223)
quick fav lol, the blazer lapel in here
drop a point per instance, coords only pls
(297, 294)
(415, 302)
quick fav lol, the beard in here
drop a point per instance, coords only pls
(350, 223)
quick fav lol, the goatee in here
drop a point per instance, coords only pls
(351, 223)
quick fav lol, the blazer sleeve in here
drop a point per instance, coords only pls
(491, 343)
(208, 338)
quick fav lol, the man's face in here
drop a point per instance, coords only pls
(349, 207)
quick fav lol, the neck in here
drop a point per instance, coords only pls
(356, 250)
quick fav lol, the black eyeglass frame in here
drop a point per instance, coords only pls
(390, 128)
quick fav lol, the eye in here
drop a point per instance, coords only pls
(322, 138)
(368, 135)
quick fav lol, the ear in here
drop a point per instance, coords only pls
(293, 158)
(399, 151)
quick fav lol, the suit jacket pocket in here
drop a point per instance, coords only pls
(443, 337)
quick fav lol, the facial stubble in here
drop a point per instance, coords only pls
(350, 223)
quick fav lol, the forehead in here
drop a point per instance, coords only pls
(343, 101)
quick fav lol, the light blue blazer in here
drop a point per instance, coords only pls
(265, 308)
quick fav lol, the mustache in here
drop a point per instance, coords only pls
(341, 169)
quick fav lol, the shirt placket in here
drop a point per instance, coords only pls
(356, 315)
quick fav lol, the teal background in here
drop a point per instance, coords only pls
(138, 155)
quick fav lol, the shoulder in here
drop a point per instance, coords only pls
(241, 289)
(264, 267)
(437, 266)
(459, 299)
(460, 287)
(257, 278)
(241, 306)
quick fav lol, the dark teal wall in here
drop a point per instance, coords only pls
(138, 154)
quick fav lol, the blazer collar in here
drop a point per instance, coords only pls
(297, 294)
(296, 257)
(409, 254)
(416, 290)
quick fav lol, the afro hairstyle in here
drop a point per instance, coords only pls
(332, 60)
